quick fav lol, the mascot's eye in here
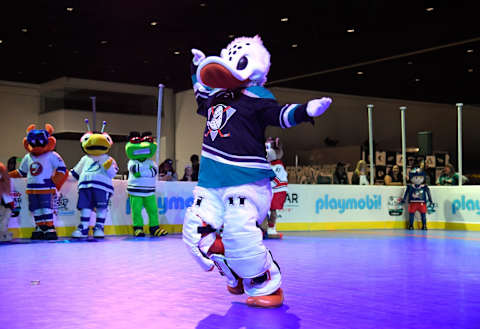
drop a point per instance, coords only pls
(135, 140)
(242, 63)
(85, 137)
(109, 139)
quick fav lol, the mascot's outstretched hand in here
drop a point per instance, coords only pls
(198, 56)
(317, 107)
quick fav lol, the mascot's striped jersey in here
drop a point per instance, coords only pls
(233, 141)
(39, 170)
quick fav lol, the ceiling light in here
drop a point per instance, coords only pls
(24, 30)
(104, 42)
(69, 9)
(294, 45)
(231, 36)
(1, 41)
(203, 4)
(409, 62)
(351, 30)
(153, 23)
(285, 19)
(176, 52)
(470, 70)
(469, 51)
(429, 9)
(50, 45)
(417, 80)
(359, 73)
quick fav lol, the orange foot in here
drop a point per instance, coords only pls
(272, 300)
(238, 290)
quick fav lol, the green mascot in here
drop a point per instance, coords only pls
(142, 173)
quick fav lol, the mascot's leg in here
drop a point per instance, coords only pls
(151, 207)
(42, 208)
(244, 250)
(136, 206)
(82, 229)
(411, 218)
(101, 216)
(423, 215)
(5, 235)
(201, 221)
(48, 227)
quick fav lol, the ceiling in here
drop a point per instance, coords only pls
(148, 42)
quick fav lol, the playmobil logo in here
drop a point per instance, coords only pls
(168, 203)
(465, 204)
(370, 202)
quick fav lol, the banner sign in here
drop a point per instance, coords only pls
(305, 203)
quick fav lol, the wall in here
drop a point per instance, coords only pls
(347, 122)
(189, 127)
(19, 106)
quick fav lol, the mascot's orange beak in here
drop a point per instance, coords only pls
(216, 75)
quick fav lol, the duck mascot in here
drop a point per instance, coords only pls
(45, 172)
(142, 177)
(94, 173)
(233, 194)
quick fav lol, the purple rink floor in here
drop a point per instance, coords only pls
(333, 279)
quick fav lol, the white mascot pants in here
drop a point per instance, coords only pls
(237, 209)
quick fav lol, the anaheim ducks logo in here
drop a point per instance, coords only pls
(36, 168)
(218, 116)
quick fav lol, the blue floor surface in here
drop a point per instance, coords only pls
(334, 279)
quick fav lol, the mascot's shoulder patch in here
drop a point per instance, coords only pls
(258, 92)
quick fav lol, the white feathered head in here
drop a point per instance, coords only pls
(245, 62)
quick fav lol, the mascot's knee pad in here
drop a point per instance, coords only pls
(264, 284)
(200, 224)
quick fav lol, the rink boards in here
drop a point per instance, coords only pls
(308, 207)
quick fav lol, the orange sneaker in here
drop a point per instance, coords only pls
(238, 290)
(272, 300)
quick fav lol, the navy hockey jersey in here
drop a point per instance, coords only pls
(417, 193)
(233, 149)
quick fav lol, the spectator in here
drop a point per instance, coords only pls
(360, 175)
(429, 173)
(188, 175)
(394, 177)
(195, 167)
(449, 176)
(340, 175)
(166, 171)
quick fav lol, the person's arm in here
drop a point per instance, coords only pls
(110, 167)
(388, 180)
(78, 169)
(61, 172)
(289, 115)
(406, 195)
(22, 170)
(429, 195)
(201, 91)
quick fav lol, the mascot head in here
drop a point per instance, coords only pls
(274, 149)
(245, 62)
(417, 176)
(140, 147)
(4, 180)
(94, 143)
(39, 141)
